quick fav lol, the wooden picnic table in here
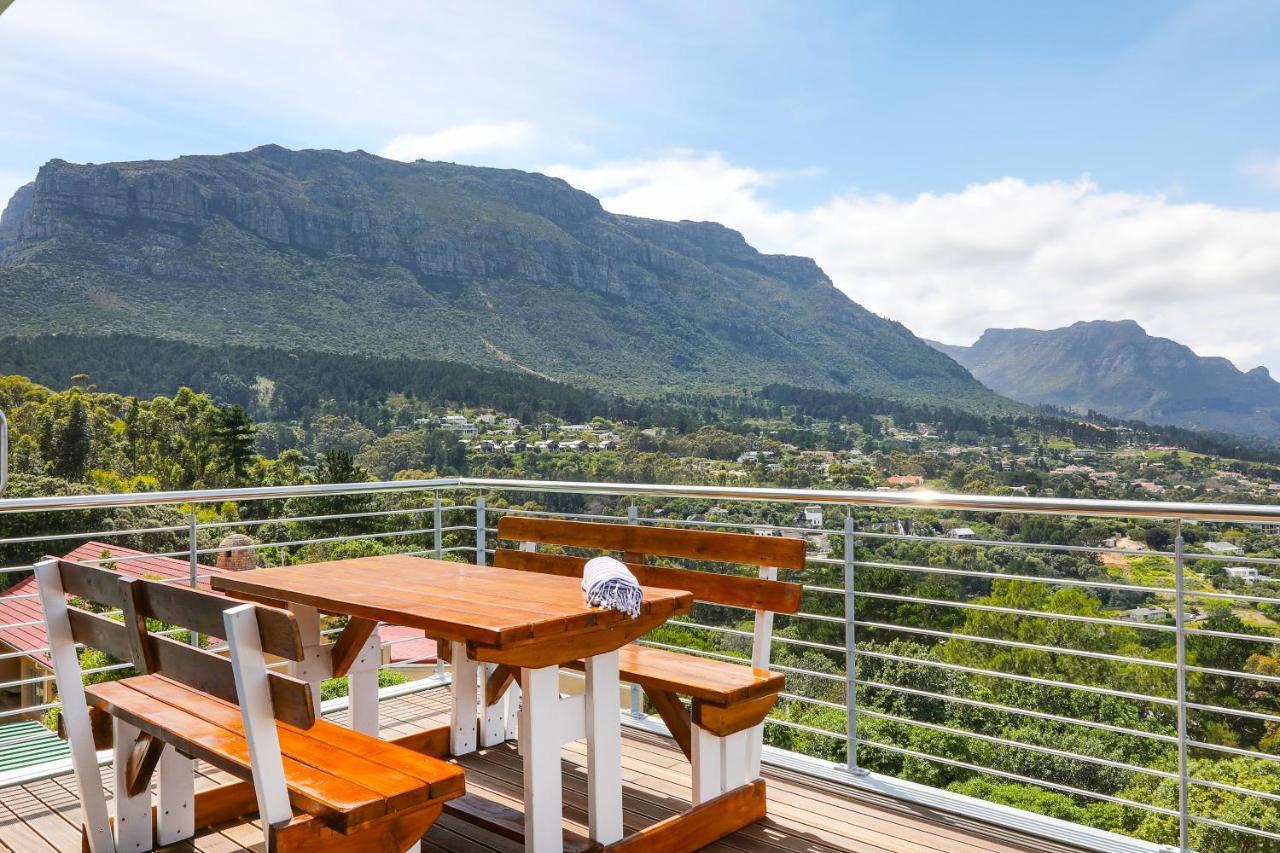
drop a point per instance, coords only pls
(494, 619)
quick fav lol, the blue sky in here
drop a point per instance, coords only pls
(952, 165)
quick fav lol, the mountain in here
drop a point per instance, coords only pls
(348, 252)
(1118, 369)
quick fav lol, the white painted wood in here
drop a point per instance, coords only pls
(513, 712)
(761, 653)
(258, 715)
(133, 814)
(462, 718)
(571, 718)
(75, 709)
(316, 664)
(708, 765)
(175, 811)
(493, 722)
(539, 741)
(362, 686)
(733, 759)
(604, 749)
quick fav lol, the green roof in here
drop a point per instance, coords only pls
(28, 743)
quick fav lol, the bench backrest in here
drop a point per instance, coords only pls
(202, 612)
(764, 594)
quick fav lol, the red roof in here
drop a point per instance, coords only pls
(403, 649)
(19, 603)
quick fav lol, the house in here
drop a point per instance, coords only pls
(21, 647)
(749, 456)
(1144, 614)
(486, 419)
(811, 516)
(511, 424)
(905, 480)
(963, 533)
(1221, 548)
(1248, 574)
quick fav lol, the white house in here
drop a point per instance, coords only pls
(812, 516)
(1248, 574)
(963, 533)
(1221, 548)
(1145, 614)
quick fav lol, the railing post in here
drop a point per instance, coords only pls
(636, 695)
(192, 547)
(1180, 620)
(4, 452)
(850, 651)
(439, 539)
(480, 529)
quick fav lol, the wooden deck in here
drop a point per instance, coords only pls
(804, 817)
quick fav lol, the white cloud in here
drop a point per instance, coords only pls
(1265, 169)
(462, 139)
(1003, 253)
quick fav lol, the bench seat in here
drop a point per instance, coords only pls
(344, 778)
(715, 682)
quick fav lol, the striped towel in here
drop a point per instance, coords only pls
(609, 583)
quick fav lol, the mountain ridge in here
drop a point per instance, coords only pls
(351, 252)
(1115, 367)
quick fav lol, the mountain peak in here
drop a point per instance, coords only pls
(1116, 368)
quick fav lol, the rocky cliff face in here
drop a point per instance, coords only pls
(351, 251)
(1118, 369)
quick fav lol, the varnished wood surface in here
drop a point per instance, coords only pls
(42, 817)
(485, 607)
(743, 548)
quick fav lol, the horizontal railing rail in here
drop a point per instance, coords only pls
(851, 640)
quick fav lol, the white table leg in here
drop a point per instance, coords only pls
(540, 732)
(735, 756)
(493, 722)
(176, 810)
(755, 746)
(708, 765)
(133, 814)
(362, 686)
(604, 749)
(310, 669)
(462, 732)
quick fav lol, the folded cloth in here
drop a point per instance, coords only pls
(609, 583)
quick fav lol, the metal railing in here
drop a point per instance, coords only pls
(882, 674)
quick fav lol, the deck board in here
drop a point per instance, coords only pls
(42, 817)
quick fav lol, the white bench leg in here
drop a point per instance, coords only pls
(176, 810)
(735, 754)
(133, 814)
(604, 749)
(540, 732)
(462, 732)
(708, 765)
(493, 723)
(362, 686)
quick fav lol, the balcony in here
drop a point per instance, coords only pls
(956, 656)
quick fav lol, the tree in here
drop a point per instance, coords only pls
(233, 434)
(75, 442)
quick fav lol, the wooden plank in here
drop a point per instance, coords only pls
(743, 548)
(209, 673)
(565, 649)
(395, 832)
(91, 583)
(374, 763)
(433, 741)
(312, 790)
(715, 681)
(498, 682)
(201, 612)
(675, 715)
(141, 650)
(736, 591)
(350, 642)
(143, 758)
(100, 633)
(506, 822)
(734, 718)
(701, 825)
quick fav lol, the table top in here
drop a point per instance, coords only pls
(485, 607)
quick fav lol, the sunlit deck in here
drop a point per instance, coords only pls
(805, 815)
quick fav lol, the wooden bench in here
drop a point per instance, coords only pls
(316, 786)
(722, 731)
